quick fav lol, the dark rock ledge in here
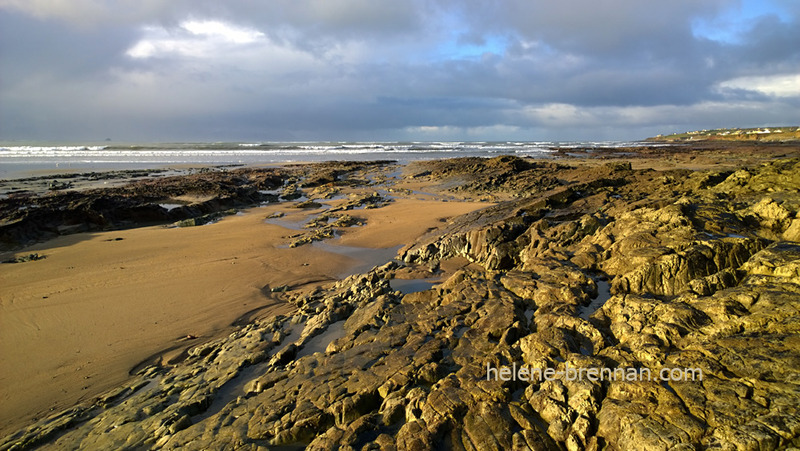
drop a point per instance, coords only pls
(191, 200)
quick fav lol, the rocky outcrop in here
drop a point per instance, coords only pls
(327, 224)
(31, 218)
(704, 289)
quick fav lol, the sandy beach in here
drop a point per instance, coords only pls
(78, 321)
(366, 305)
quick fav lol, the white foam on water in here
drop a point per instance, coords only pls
(16, 159)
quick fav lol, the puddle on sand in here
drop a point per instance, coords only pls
(603, 294)
(395, 174)
(320, 342)
(368, 257)
(407, 286)
(298, 200)
(289, 223)
(299, 219)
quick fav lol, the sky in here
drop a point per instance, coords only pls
(391, 70)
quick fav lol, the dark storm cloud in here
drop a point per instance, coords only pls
(159, 69)
(30, 47)
(607, 28)
(771, 42)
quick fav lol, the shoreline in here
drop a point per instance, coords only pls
(514, 250)
(163, 285)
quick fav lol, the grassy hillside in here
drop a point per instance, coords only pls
(788, 133)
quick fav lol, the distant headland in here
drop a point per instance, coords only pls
(786, 133)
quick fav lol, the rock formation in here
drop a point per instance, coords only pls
(704, 275)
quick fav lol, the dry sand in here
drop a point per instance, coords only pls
(74, 324)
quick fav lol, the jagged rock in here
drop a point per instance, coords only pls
(414, 436)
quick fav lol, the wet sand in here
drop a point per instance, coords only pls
(77, 322)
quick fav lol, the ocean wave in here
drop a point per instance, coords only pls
(31, 149)
(274, 152)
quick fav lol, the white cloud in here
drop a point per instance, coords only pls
(194, 39)
(222, 31)
(433, 130)
(774, 85)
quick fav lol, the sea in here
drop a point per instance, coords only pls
(18, 160)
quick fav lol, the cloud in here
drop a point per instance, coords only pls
(205, 69)
(193, 38)
(598, 28)
(772, 85)
(90, 13)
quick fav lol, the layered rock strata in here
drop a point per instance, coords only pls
(703, 270)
